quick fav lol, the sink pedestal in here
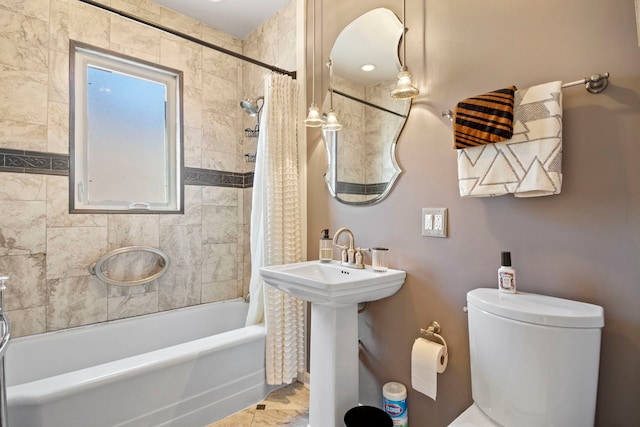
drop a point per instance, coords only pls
(334, 364)
(334, 292)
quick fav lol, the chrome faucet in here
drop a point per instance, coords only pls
(351, 255)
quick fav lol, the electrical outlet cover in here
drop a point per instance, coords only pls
(428, 222)
(434, 222)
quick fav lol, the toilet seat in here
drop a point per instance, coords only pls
(473, 417)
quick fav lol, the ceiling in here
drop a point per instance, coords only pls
(371, 39)
(238, 18)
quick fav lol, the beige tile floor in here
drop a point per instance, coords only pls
(287, 406)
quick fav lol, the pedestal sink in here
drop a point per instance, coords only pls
(334, 292)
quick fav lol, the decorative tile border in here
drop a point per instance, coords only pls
(33, 162)
(208, 177)
(21, 161)
(360, 189)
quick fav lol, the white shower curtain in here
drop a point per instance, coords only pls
(276, 236)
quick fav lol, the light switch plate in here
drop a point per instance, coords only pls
(434, 222)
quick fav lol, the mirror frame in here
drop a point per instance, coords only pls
(331, 138)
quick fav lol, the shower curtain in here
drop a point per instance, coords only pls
(276, 236)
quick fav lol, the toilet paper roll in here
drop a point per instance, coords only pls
(428, 359)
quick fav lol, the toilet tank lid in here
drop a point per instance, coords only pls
(537, 309)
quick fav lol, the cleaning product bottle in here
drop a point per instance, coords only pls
(394, 402)
(506, 275)
(326, 250)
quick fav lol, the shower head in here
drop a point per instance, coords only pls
(251, 107)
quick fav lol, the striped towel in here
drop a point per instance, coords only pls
(484, 119)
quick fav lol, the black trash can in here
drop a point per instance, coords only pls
(367, 416)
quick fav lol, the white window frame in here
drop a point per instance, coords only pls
(83, 56)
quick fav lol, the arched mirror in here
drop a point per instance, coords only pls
(362, 165)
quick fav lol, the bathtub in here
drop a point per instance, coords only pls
(181, 368)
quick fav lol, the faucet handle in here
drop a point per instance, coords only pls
(359, 257)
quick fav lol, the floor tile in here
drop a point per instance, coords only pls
(280, 417)
(286, 407)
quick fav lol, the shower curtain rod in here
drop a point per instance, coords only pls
(594, 84)
(190, 38)
(367, 103)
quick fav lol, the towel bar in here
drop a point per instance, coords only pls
(593, 84)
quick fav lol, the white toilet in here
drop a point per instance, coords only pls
(534, 360)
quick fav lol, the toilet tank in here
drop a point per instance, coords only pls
(534, 358)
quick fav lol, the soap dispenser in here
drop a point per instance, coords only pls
(326, 249)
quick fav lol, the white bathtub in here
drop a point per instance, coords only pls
(181, 368)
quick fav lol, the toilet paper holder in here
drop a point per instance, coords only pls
(433, 331)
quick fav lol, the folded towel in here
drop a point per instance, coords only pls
(484, 119)
(528, 164)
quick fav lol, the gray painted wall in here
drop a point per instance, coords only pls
(583, 244)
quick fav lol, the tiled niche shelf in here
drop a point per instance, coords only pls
(20, 161)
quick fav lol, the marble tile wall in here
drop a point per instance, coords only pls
(362, 168)
(44, 249)
(352, 144)
(273, 43)
(379, 132)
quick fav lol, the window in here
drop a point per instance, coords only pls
(126, 134)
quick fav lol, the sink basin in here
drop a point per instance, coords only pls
(334, 292)
(331, 283)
